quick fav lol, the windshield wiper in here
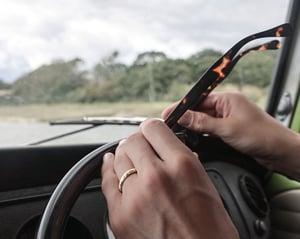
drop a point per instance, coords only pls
(93, 122)
(97, 121)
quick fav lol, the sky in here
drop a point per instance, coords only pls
(37, 32)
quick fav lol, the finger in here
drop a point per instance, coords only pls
(221, 103)
(122, 162)
(208, 107)
(110, 183)
(139, 151)
(162, 139)
(202, 123)
(209, 102)
(168, 110)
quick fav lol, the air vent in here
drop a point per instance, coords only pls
(254, 196)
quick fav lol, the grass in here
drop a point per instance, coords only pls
(43, 112)
(256, 94)
(74, 111)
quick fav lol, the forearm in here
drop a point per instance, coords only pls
(288, 162)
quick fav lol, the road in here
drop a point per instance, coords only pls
(18, 134)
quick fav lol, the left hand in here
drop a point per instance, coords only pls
(248, 129)
(170, 196)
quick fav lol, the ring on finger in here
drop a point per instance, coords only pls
(125, 176)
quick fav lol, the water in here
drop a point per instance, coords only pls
(19, 134)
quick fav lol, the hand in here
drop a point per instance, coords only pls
(247, 128)
(171, 196)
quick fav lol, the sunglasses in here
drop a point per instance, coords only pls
(221, 69)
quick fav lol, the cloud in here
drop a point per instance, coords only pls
(36, 32)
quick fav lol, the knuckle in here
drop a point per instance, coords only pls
(185, 164)
(132, 139)
(136, 206)
(124, 144)
(150, 124)
(199, 121)
(118, 225)
(154, 180)
(236, 97)
(195, 121)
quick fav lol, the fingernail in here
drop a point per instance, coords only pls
(108, 156)
(186, 119)
(196, 154)
(122, 141)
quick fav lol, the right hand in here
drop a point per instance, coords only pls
(247, 128)
(170, 196)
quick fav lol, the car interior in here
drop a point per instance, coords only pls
(54, 191)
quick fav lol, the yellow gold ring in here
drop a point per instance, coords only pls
(125, 176)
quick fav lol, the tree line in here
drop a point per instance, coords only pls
(153, 76)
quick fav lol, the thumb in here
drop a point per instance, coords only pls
(202, 123)
(110, 182)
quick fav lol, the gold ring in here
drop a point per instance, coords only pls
(125, 176)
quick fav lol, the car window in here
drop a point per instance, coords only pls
(119, 58)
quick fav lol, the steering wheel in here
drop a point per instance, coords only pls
(236, 177)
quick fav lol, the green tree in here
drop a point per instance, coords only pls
(149, 57)
(56, 82)
(134, 85)
(152, 76)
(4, 85)
(201, 61)
(105, 76)
(254, 69)
(108, 69)
(171, 73)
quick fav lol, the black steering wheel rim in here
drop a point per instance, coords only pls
(57, 211)
(54, 218)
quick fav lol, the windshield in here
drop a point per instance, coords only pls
(91, 58)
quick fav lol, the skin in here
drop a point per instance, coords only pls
(241, 124)
(171, 196)
(168, 196)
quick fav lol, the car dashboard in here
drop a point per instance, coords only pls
(29, 175)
